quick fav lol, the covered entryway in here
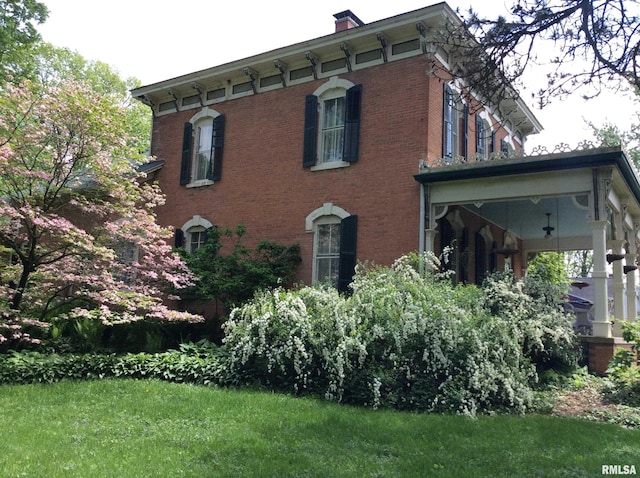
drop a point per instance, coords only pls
(504, 210)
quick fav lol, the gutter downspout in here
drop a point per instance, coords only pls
(423, 209)
(421, 235)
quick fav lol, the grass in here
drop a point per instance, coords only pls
(128, 428)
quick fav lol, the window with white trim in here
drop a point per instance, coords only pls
(332, 125)
(197, 236)
(455, 125)
(334, 245)
(327, 250)
(203, 150)
(449, 124)
(193, 234)
(332, 116)
(202, 146)
(484, 137)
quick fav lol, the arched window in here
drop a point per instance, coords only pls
(455, 125)
(484, 136)
(334, 245)
(332, 125)
(202, 145)
(193, 234)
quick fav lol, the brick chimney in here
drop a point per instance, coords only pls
(346, 20)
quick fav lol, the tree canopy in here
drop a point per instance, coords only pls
(49, 65)
(581, 45)
(18, 20)
(77, 221)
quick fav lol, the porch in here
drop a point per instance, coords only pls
(501, 212)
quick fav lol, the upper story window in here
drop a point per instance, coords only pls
(505, 147)
(202, 146)
(332, 130)
(449, 124)
(203, 152)
(332, 125)
(455, 118)
(485, 138)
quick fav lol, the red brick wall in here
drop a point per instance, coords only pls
(265, 187)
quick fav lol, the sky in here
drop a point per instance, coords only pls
(154, 41)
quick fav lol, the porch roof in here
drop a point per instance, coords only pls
(588, 158)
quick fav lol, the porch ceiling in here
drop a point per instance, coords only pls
(527, 217)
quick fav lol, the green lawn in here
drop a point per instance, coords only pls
(127, 428)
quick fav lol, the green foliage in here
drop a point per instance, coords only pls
(609, 134)
(579, 263)
(401, 340)
(549, 267)
(623, 372)
(18, 19)
(53, 65)
(191, 363)
(37, 367)
(233, 277)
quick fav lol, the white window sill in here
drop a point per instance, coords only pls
(331, 165)
(199, 183)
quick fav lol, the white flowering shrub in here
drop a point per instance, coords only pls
(541, 327)
(401, 339)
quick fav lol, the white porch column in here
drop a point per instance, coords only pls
(632, 304)
(430, 241)
(618, 289)
(601, 325)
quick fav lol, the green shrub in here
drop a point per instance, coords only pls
(36, 367)
(623, 385)
(232, 273)
(192, 363)
(401, 339)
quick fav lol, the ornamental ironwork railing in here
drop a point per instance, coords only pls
(511, 155)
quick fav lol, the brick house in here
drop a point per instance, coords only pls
(318, 143)
(352, 147)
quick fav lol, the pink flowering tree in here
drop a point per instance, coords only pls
(78, 234)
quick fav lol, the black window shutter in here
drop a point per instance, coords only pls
(179, 238)
(348, 242)
(465, 132)
(185, 166)
(493, 141)
(310, 131)
(352, 123)
(446, 123)
(217, 144)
